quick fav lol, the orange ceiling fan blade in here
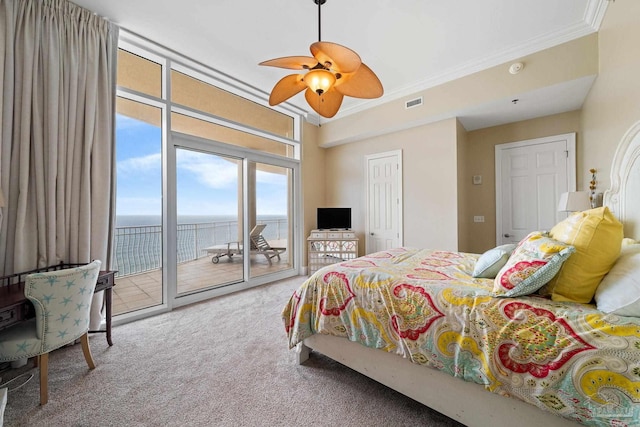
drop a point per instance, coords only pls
(292, 62)
(327, 104)
(286, 88)
(336, 57)
(362, 84)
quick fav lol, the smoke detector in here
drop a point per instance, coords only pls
(516, 67)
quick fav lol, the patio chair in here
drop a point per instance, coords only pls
(62, 301)
(259, 244)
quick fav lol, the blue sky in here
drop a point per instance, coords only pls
(207, 184)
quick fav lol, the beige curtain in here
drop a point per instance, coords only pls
(57, 74)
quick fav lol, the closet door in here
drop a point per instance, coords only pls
(530, 176)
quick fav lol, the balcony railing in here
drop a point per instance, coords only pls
(139, 248)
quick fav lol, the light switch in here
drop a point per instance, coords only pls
(478, 218)
(477, 179)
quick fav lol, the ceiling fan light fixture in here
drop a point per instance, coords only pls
(334, 71)
(319, 81)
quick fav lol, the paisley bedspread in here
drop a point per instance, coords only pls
(567, 358)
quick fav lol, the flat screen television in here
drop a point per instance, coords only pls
(334, 218)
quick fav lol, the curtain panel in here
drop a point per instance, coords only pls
(57, 91)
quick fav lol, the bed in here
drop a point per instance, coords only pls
(418, 321)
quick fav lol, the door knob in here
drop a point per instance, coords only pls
(507, 235)
(372, 234)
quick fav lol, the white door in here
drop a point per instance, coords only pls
(530, 176)
(384, 201)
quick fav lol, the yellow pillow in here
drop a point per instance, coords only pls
(597, 236)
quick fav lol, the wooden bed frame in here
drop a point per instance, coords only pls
(467, 402)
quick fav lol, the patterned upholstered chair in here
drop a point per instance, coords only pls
(62, 301)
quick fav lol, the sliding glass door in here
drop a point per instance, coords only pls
(234, 217)
(209, 208)
(206, 177)
(270, 217)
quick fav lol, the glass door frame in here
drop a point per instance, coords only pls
(183, 141)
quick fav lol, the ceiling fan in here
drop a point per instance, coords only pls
(333, 72)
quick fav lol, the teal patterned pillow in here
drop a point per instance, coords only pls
(490, 262)
(533, 263)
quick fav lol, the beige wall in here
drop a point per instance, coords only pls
(611, 108)
(429, 182)
(613, 105)
(313, 182)
(479, 159)
(463, 173)
(567, 62)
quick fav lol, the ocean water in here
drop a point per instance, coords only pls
(138, 238)
(142, 220)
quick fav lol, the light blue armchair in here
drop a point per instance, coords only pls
(62, 301)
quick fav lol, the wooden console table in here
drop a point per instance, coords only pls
(15, 307)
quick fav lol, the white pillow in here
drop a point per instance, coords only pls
(492, 261)
(619, 291)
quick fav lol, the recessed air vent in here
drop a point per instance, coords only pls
(413, 103)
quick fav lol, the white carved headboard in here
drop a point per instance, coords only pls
(624, 196)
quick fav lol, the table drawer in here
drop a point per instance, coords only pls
(104, 281)
(8, 317)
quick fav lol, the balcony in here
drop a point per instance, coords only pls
(138, 259)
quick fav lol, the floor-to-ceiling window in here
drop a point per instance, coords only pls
(201, 167)
(137, 253)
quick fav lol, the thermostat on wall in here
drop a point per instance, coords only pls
(477, 179)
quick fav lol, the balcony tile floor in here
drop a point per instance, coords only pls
(137, 291)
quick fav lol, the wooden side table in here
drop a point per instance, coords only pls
(15, 307)
(106, 282)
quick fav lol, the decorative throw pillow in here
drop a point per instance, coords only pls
(536, 259)
(492, 261)
(619, 291)
(597, 235)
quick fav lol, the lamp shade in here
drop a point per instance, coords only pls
(574, 201)
(319, 81)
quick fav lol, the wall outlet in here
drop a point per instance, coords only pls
(478, 218)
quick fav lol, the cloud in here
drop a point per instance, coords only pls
(269, 206)
(150, 162)
(271, 178)
(210, 170)
(127, 123)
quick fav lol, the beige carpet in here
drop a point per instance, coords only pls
(223, 362)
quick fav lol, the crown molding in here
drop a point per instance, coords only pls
(594, 14)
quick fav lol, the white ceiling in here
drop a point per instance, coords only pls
(410, 44)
